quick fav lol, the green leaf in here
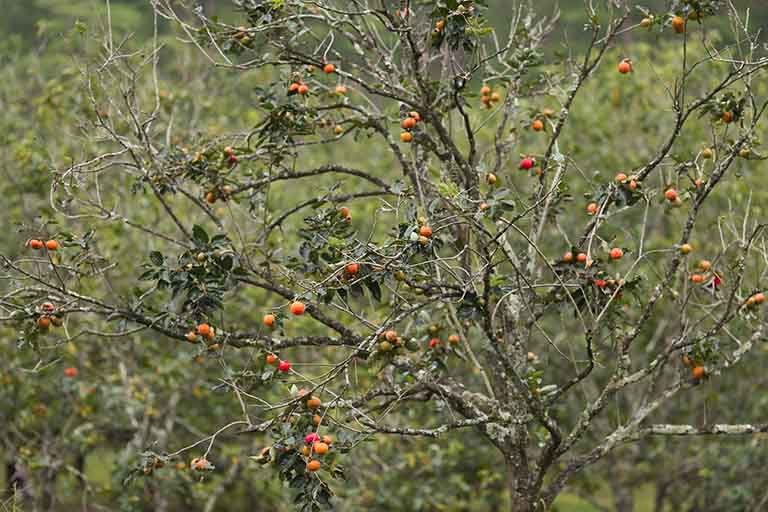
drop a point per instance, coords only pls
(199, 235)
(156, 258)
(375, 289)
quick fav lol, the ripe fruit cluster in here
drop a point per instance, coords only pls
(298, 88)
(425, 233)
(51, 245)
(581, 257)
(703, 266)
(314, 444)
(408, 124)
(489, 97)
(389, 340)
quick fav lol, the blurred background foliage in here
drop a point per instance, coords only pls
(45, 47)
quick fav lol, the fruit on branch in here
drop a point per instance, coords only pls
(268, 320)
(759, 297)
(727, 117)
(678, 23)
(745, 152)
(620, 178)
(320, 448)
(313, 465)
(434, 342)
(314, 403)
(548, 112)
(312, 437)
(329, 69)
(568, 257)
(345, 212)
(632, 185)
(698, 372)
(537, 125)
(707, 153)
(210, 197)
(44, 322)
(425, 231)
(491, 178)
(284, 366)
(406, 137)
(646, 22)
(338, 130)
(686, 248)
(352, 268)
(485, 90)
(294, 87)
(616, 253)
(697, 278)
(204, 329)
(527, 163)
(271, 359)
(70, 372)
(317, 419)
(495, 97)
(454, 339)
(199, 464)
(671, 195)
(581, 257)
(303, 89)
(390, 335)
(625, 66)
(36, 244)
(52, 245)
(47, 306)
(705, 265)
(687, 361)
(600, 283)
(408, 123)
(592, 208)
(229, 151)
(341, 90)
(191, 337)
(297, 308)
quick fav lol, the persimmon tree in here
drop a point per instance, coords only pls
(469, 274)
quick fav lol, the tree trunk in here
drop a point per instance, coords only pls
(623, 497)
(48, 489)
(80, 467)
(16, 480)
(517, 484)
